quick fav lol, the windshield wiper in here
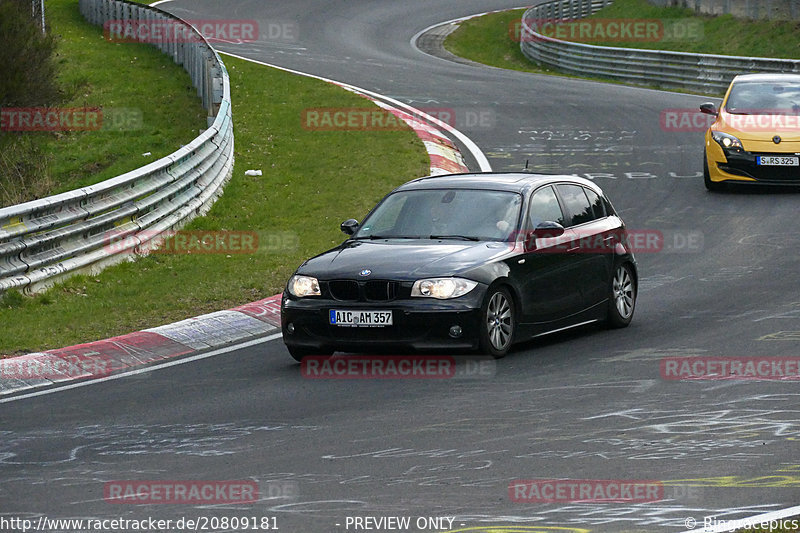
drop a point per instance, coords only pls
(380, 237)
(376, 237)
(459, 237)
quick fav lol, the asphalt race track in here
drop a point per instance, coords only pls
(590, 404)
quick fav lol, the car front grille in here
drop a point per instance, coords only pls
(363, 291)
(344, 290)
(379, 291)
(745, 165)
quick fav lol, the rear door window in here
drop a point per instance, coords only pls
(598, 206)
(576, 204)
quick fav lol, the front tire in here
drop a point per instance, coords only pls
(498, 323)
(710, 185)
(622, 301)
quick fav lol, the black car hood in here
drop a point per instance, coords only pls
(403, 259)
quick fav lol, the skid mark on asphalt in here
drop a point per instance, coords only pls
(202, 440)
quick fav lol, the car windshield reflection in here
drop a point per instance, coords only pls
(764, 98)
(457, 214)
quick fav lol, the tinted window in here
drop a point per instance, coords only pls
(598, 206)
(544, 207)
(392, 209)
(609, 208)
(481, 214)
(576, 204)
(764, 97)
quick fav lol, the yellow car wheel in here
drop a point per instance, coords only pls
(710, 185)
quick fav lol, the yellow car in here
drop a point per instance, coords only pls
(756, 137)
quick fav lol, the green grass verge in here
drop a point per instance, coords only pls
(721, 34)
(490, 39)
(786, 521)
(136, 78)
(312, 180)
(149, 105)
(767, 530)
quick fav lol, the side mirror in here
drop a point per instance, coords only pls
(349, 226)
(546, 229)
(709, 109)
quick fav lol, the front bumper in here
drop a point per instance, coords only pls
(744, 165)
(418, 324)
(740, 166)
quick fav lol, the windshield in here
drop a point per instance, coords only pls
(466, 214)
(764, 98)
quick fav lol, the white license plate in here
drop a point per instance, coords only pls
(355, 318)
(777, 161)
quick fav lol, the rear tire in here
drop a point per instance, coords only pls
(622, 300)
(498, 323)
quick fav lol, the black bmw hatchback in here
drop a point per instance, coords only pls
(465, 261)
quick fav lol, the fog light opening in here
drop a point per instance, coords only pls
(455, 331)
(290, 328)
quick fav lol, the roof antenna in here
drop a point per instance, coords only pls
(526, 166)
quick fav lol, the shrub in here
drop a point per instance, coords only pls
(26, 58)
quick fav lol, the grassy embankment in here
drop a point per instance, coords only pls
(493, 39)
(157, 115)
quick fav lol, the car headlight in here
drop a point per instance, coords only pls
(727, 141)
(442, 288)
(301, 286)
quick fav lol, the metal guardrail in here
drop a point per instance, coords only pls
(87, 229)
(704, 73)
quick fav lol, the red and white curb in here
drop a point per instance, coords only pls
(445, 157)
(100, 359)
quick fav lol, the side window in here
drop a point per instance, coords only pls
(577, 206)
(609, 208)
(544, 207)
(598, 206)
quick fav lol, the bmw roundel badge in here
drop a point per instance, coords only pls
(365, 272)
